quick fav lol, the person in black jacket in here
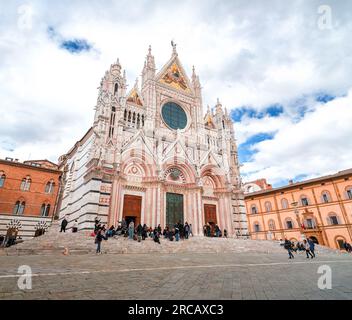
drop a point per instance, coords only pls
(139, 232)
(98, 239)
(63, 225)
(288, 247)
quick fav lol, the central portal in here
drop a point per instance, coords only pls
(174, 209)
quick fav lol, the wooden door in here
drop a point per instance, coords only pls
(132, 208)
(210, 214)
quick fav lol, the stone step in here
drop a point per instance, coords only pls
(54, 242)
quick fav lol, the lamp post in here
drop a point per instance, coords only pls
(295, 205)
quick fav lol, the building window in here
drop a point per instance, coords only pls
(26, 184)
(254, 209)
(116, 88)
(2, 180)
(289, 224)
(19, 208)
(304, 201)
(49, 188)
(174, 116)
(333, 219)
(268, 206)
(325, 196)
(271, 224)
(45, 210)
(284, 203)
(349, 193)
(256, 227)
(309, 224)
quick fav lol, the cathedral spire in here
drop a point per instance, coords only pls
(149, 67)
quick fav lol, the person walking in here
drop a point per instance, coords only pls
(307, 247)
(98, 239)
(63, 225)
(311, 247)
(131, 230)
(288, 247)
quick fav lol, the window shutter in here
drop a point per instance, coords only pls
(328, 220)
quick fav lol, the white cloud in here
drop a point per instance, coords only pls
(268, 52)
(319, 144)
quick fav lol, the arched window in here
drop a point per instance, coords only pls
(254, 209)
(325, 197)
(26, 184)
(304, 201)
(268, 207)
(2, 179)
(340, 242)
(112, 122)
(45, 210)
(309, 223)
(333, 219)
(49, 188)
(349, 192)
(116, 88)
(271, 224)
(284, 203)
(289, 223)
(256, 226)
(19, 208)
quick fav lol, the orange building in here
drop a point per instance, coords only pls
(28, 195)
(320, 209)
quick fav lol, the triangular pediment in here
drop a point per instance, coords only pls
(176, 149)
(210, 158)
(135, 98)
(138, 142)
(174, 75)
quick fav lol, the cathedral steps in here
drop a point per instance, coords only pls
(56, 243)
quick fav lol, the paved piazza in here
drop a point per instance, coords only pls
(176, 276)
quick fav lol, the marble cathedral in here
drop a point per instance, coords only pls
(152, 156)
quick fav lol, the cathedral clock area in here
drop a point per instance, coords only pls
(152, 156)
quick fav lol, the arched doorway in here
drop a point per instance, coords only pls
(314, 239)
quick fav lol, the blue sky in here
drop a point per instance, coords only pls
(284, 76)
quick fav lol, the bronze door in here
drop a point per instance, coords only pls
(174, 209)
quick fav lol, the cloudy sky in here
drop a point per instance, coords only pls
(282, 68)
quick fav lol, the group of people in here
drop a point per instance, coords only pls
(140, 232)
(307, 245)
(64, 224)
(177, 232)
(213, 231)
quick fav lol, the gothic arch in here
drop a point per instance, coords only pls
(216, 174)
(141, 160)
(186, 169)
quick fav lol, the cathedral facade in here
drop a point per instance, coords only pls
(153, 157)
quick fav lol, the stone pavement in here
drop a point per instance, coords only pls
(184, 275)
